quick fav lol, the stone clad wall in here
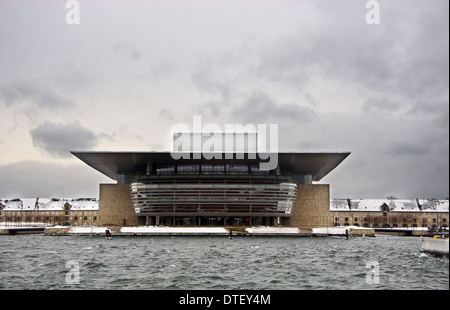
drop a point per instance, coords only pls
(115, 206)
(312, 206)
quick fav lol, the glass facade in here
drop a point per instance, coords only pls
(227, 194)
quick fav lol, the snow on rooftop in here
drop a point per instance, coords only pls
(337, 230)
(396, 205)
(173, 230)
(46, 204)
(272, 230)
(92, 204)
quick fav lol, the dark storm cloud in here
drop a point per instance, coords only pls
(406, 54)
(396, 66)
(130, 51)
(35, 94)
(209, 76)
(59, 139)
(338, 50)
(166, 114)
(260, 106)
(430, 108)
(379, 105)
(316, 68)
(27, 179)
(407, 149)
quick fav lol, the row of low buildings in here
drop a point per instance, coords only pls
(383, 213)
(342, 212)
(54, 211)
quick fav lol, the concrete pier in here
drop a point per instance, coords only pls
(21, 230)
(211, 231)
(343, 231)
(435, 246)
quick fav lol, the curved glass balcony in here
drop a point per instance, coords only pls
(214, 197)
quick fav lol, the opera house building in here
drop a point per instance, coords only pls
(153, 188)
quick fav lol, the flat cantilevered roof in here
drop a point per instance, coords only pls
(112, 164)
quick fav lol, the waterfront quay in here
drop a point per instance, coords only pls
(229, 231)
(210, 231)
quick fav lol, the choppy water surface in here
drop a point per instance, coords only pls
(143, 262)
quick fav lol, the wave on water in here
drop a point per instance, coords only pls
(39, 262)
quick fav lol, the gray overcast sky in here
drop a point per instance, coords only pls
(131, 69)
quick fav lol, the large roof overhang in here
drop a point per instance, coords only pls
(112, 164)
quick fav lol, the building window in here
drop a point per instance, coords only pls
(236, 169)
(346, 219)
(94, 218)
(166, 170)
(255, 170)
(207, 169)
(188, 169)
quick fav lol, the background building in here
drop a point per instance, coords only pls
(384, 213)
(55, 211)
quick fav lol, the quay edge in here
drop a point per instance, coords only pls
(21, 230)
(435, 246)
(209, 231)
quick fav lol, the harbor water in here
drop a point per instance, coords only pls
(219, 263)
